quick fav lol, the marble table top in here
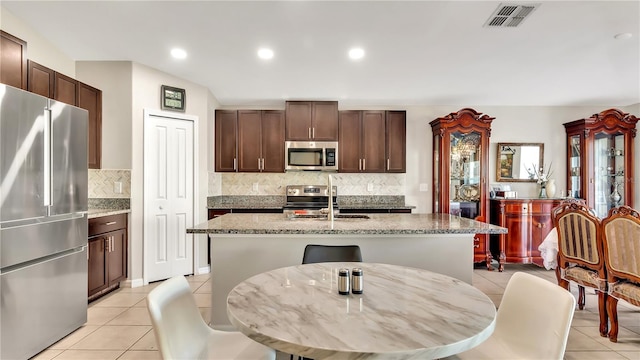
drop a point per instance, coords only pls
(376, 224)
(403, 313)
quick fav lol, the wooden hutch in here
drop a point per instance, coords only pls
(461, 168)
(600, 159)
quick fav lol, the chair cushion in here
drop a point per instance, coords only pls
(584, 277)
(626, 290)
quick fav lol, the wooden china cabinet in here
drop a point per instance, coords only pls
(461, 168)
(600, 159)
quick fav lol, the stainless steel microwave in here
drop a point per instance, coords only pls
(311, 155)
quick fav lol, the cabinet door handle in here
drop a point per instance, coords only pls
(107, 245)
(310, 133)
(259, 164)
(110, 223)
(388, 164)
(359, 164)
(235, 162)
(364, 164)
(313, 133)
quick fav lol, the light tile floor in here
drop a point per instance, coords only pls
(118, 326)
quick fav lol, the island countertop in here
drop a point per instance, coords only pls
(379, 224)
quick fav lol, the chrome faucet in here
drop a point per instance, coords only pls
(330, 190)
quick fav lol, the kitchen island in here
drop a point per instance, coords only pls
(244, 245)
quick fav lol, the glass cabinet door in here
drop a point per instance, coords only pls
(609, 166)
(464, 182)
(574, 189)
(436, 174)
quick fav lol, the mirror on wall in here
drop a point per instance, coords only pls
(517, 162)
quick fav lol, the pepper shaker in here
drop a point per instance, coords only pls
(356, 281)
(343, 281)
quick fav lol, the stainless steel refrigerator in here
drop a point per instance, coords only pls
(43, 221)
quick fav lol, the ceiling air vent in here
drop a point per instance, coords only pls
(510, 15)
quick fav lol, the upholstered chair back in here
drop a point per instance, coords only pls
(579, 239)
(622, 242)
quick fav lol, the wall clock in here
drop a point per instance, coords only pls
(173, 98)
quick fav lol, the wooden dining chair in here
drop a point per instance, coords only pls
(621, 238)
(581, 254)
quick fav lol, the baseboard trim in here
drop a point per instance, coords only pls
(204, 270)
(132, 283)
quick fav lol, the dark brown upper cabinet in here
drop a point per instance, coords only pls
(13, 61)
(90, 99)
(362, 145)
(65, 89)
(249, 141)
(226, 140)
(40, 79)
(260, 141)
(54, 85)
(396, 144)
(311, 120)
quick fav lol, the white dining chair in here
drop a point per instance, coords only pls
(181, 332)
(532, 322)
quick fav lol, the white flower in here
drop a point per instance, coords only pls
(543, 177)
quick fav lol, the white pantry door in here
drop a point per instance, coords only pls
(168, 195)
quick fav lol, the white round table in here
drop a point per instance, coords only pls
(404, 313)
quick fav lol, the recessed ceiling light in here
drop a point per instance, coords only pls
(178, 53)
(623, 36)
(356, 53)
(265, 53)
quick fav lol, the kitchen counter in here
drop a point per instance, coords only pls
(244, 245)
(99, 207)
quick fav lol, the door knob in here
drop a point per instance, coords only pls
(160, 207)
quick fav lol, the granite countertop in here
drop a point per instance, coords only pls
(379, 224)
(95, 213)
(99, 207)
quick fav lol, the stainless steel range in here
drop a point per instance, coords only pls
(309, 199)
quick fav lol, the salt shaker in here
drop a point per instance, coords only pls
(343, 281)
(356, 281)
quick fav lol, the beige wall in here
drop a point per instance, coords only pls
(146, 83)
(114, 79)
(38, 48)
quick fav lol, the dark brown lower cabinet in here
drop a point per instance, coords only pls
(107, 254)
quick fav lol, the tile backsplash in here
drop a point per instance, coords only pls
(274, 184)
(103, 183)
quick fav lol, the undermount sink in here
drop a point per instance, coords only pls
(325, 217)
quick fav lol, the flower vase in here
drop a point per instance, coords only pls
(551, 188)
(615, 195)
(543, 192)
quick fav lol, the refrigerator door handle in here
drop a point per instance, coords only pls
(48, 144)
(46, 259)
